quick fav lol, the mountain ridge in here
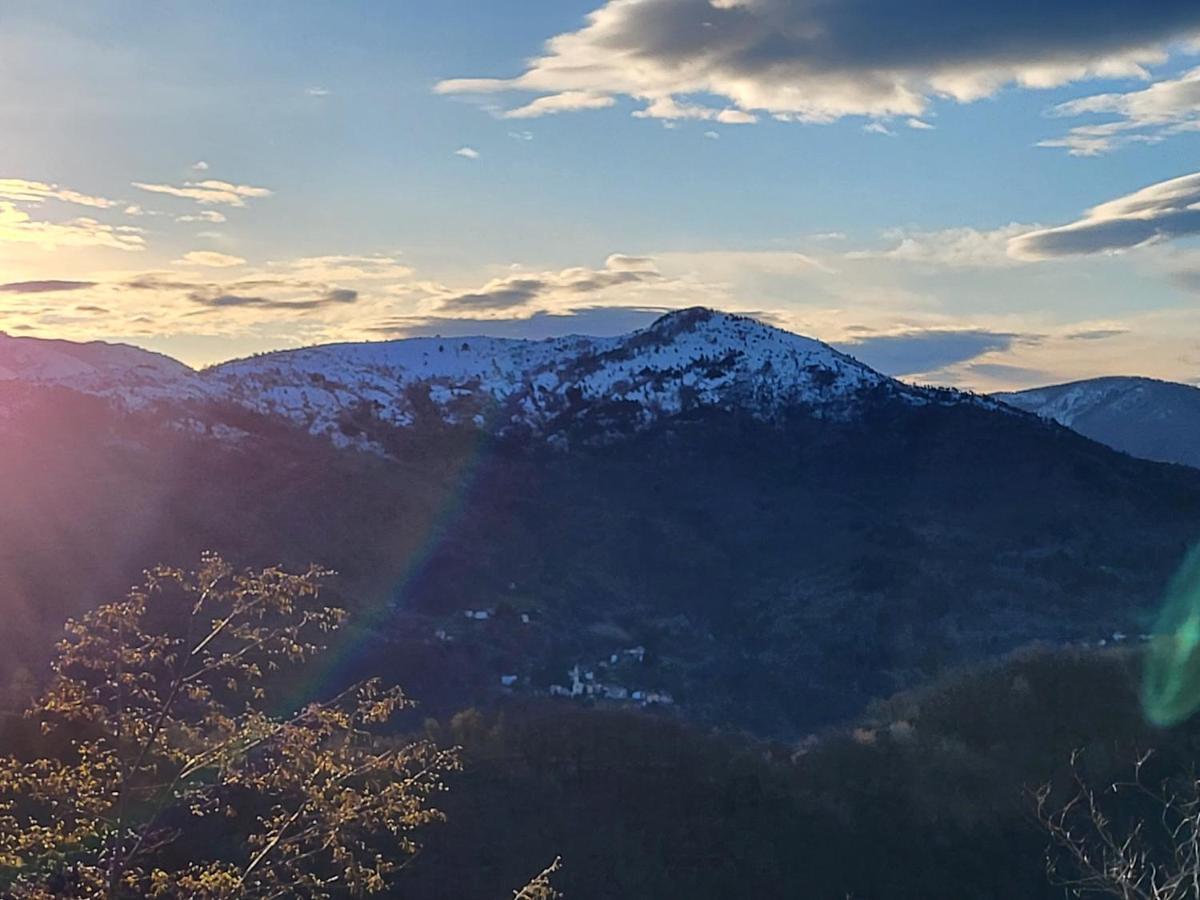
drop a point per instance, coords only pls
(1144, 417)
(686, 360)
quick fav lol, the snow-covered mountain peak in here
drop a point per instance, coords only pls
(686, 361)
(93, 367)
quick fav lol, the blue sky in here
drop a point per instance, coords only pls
(217, 179)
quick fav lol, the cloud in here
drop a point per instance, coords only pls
(17, 226)
(670, 109)
(467, 153)
(713, 135)
(1096, 334)
(317, 91)
(919, 125)
(205, 215)
(919, 352)
(1160, 212)
(1146, 116)
(950, 248)
(218, 299)
(44, 287)
(521, 135)
(568, 101)
(521, 290)
(878, 128)
(20, 190)
(1015, 376)
(200, 166)
(208, 192)
(819, 61)
(210, 258)
(344, 268)
(600, 321)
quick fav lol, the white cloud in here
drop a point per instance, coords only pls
(17, 226)
(521, 135)
(200, 166)
(878, 128)
(712, 135)
(208, 192)
(21, 190)
(919, 125)
(670, 109)
(950, 247)
(1160, 212)
(567, 101)
(317, 91)
(210, 259)
(467, 153)
(344, 268)
(1146, 116)
(800, 60)
(205, 215)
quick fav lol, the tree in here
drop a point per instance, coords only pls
(1129, 840)
(167, 775)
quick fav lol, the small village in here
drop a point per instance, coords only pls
(590, 682)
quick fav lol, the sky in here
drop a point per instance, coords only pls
(989, 195)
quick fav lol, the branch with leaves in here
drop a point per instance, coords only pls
(172, 778)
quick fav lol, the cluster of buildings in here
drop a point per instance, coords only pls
(583, 683)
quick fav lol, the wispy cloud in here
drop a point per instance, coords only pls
(223, 300)
(17, 226)
(521, 290)
(567, 101)
(467, 153)
(1146, 116)
(44, 287)
(205, 215)
(21, 190)
(208, 192)
(950, 247)
(210, 259)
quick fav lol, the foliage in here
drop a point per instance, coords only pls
(170, 775)
(542, 887)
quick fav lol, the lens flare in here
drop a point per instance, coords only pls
(1171, 680)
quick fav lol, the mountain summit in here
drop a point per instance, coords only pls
(686, 361)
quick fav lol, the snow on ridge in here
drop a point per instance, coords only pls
(1066, 403)
(126, 373)
(688, 359)
(684, 360)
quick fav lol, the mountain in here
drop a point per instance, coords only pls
(118, 370)
(1158, 420)
(687, 360)
(784, 532)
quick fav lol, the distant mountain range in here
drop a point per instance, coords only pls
(786, 532)
(1158, 420)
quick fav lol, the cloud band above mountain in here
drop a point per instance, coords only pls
(819, 60)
